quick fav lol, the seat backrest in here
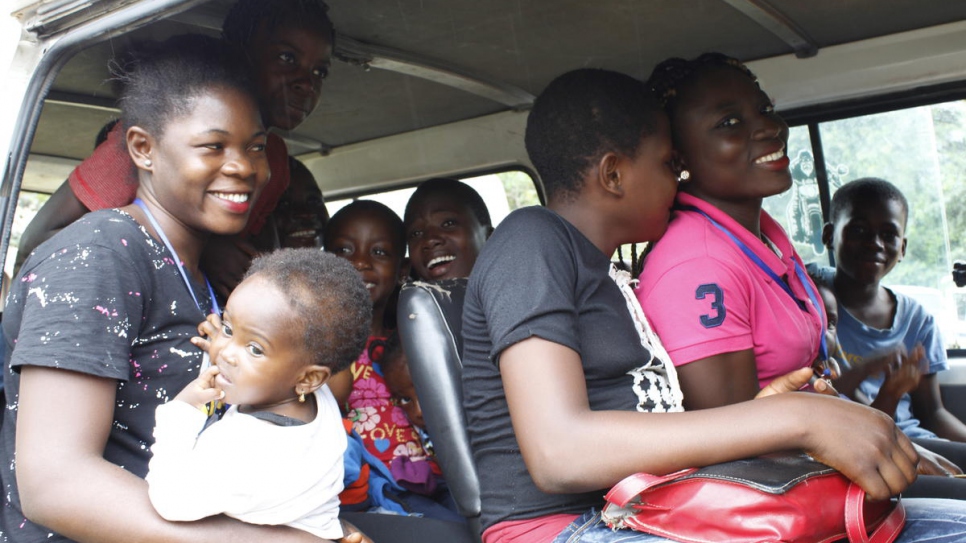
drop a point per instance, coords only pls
(430, 321)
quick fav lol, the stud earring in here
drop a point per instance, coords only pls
(148, 163)
(302, 397)
(684, 176)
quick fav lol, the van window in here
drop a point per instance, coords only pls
(28, 203)
(922, 150)
(503, 192)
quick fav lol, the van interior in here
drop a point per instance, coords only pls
(442, 88)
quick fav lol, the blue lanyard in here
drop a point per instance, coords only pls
(184, 275)
(823, 349)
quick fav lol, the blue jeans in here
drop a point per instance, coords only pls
(935, 521)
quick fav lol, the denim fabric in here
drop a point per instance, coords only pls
(590, 528)
(935, 521)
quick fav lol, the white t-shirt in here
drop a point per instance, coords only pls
(249, 469)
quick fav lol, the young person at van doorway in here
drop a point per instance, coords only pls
(289, 45)
(568, 340)
(745, 311)
(446, 224)
(298, 316)
(127, 288)
(902, 373)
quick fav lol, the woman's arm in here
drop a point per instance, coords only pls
(927, 406)
(569, 448)
(719, 380)
(63, 423)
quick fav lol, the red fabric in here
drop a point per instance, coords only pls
(532, 529)
(278, 165)
(383, 426)
(109, 179)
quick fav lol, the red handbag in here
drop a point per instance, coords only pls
(784, 497)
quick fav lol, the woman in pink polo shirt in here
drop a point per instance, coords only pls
(724, 287)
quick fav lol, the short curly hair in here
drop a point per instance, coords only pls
(866, 189)
(455, 189)
(246, 17)
(329, 298)
(358, 206)
(581, 115)
(158, 81)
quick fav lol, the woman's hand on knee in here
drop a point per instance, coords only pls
(864, 444)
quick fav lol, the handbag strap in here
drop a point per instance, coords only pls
(633, 485)
(855, 526)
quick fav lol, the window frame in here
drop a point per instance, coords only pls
(812, 116)
(379, 189)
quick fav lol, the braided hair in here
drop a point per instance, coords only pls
(668, 77)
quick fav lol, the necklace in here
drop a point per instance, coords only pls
(271, 405)
(184, 275)
(215, 309)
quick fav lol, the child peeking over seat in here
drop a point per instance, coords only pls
(420, 476)
(446, 224)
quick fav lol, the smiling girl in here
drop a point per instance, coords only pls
(370, 236)
(101, 317)
(726, 290)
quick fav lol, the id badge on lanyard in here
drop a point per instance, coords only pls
(217, 405)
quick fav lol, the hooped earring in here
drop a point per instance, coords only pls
(148, 163)
(301, 397)
(684, 176)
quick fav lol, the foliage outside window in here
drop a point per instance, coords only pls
(922, 151)
(27, 206)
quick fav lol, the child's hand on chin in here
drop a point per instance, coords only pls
(202, 390)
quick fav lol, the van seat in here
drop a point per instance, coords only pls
(430, 320)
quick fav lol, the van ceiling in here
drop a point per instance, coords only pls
(473, 57)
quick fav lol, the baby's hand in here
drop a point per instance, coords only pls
(353, 535)
(202, 390)
(207, 330)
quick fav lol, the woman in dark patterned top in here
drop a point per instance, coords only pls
(100, 319)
